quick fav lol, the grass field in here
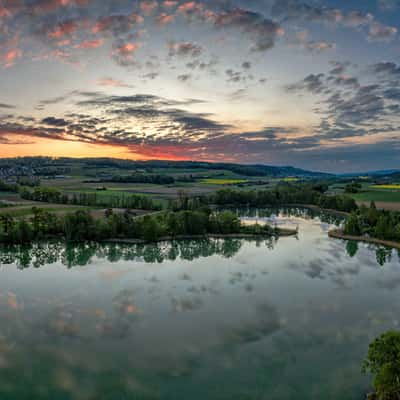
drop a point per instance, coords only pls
(216, 181)
(290, 179)
(394, 186)
(377, 195)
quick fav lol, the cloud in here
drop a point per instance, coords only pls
(184, 49)
(355, 19)
(148, 6)
(386, 69)
(184, 77)
(262, 30)
(8, 58)
(66, 28)
(381, 33)
(190, 9)
(117, 24)
(123, 53)
(90, 44)
(54, 121)
(313, 83)
(164, 19)
(320, 46)
(7, 106)
(339, 68)
(111, 82)
(388, 5)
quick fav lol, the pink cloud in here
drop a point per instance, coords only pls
(170, 3)
(63, 29)
(47, 6)
(164, 19)
(190, 7)
(148, 6)
(90, 44)
(111, 82)
(117, 22)
(128, 48)
(8, 59)
(4, 12)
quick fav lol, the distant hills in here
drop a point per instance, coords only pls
(383, 172)
(250, 170)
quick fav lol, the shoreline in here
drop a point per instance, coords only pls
(338, 234)
(318, 208)
(281, 233)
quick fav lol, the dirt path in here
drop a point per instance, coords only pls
(383, 205)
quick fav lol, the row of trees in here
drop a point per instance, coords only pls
(92, 199)
(157, 179)
(282, 195)
(82, 226)
(380, 224)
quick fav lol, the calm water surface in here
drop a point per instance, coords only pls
(206, 319)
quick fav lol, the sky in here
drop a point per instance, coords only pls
(309, 83)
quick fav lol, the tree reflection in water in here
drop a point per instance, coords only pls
(74, 255)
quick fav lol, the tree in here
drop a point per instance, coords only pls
(372, 214)
(79, 226)
(24, 232)
(383, 361)
(382, 228)
(7, 222)
(352, 226)
(150, 229)
(227, 222)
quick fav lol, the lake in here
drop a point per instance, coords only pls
(205, 319)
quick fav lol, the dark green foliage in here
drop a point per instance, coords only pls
(383, 361)
(8, 187)
(80, 226)
(284, 194)
(379, 224)
(353, 187)
(143, 178)
(352, 226)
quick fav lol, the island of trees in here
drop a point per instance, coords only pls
(81, 226)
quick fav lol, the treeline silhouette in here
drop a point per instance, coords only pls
(92, 199)
(155, 179)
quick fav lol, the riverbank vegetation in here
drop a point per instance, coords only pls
(82, 226)
(371, 222)
(383, 361)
